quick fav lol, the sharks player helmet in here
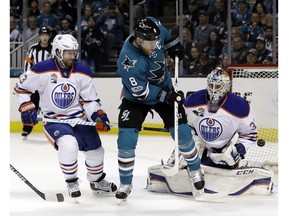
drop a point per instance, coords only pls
(146, 29)
(62, 43)
(218, 84)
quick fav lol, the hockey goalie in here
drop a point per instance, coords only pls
(224, 128)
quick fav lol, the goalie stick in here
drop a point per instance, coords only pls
(171, 171)
(74, 122)
(46, 196)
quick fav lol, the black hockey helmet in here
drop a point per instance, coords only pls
(146, 29)
(44, 30)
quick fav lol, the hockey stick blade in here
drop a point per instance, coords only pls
(45, 196)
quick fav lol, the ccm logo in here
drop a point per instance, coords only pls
(245, 172)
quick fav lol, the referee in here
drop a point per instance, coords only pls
(37, 53)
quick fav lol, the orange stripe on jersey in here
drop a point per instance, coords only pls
(21, 91)
(50, 139)
(28, 59)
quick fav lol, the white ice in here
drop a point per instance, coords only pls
(36, 159)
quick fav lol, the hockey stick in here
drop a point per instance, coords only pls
(74, 122)
(48, 197)
(171, 171)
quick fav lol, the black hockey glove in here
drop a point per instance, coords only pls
(169, 96)
(174, 48)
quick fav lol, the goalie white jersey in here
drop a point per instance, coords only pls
(217, 128)
(63, 93)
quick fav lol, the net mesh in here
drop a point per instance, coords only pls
(266, 156)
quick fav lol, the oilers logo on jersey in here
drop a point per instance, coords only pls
(63, 95)
(210, 129)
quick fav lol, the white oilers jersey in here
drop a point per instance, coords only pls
(63, 93)
(217, 129)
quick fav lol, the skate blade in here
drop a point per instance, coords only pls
(122, 201)
(76, 200)
(24, 137)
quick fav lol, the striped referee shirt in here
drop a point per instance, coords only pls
(37, 54)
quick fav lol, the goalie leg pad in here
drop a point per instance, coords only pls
(248, 181)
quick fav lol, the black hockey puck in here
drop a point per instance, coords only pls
(261, 142)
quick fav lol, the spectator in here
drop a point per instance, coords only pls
(265, 18)
(47, 18)
(187, 42)
(213, 47)
(239, 51)
(201, 34)
(269, 37)
(91, 42)
(234, 33)
(99, 6)
(60, 8)
(88, 11)
(16, 7)
(262, 52)
(171, 64)
(32, 27)
(192, 12)
(123, 7)
(111, 24)
(192, 63)
(252, 30)
(224, 61)
(34, 8)
(204, 67)
(186, 24)
(218, 17)
(242, 14)
(15, 35)
(251, 56)
(66, 26)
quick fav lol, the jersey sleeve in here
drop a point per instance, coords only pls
(248, 131)
(89, 97)
(26, 85)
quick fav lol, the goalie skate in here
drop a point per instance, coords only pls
(102, 187)
(73, 189)
(123, 192)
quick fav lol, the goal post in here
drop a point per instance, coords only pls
(258, 84)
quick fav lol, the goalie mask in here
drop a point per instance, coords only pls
(63, 43)
(218, 85)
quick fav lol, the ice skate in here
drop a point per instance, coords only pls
(101, 186)
(24, 135)
(197, 178)
(73, 189)
(123, 192)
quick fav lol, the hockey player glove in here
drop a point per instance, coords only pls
(168, 96)
(28, 113)
(228, 157)
(174, 48)
(102, 121)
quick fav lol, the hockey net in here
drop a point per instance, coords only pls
(258, 84)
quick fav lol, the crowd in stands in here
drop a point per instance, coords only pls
(105, 25)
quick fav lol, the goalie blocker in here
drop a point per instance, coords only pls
(246, 181)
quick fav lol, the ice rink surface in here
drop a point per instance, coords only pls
(37, 161)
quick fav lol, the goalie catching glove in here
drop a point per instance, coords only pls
(169, 96)
(28, 113)
(102, 121)
(230, 155)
